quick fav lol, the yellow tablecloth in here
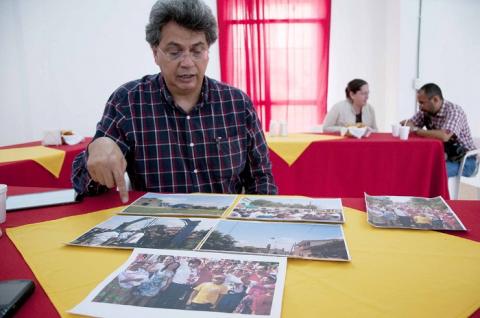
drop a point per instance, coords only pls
(290, 148)
(393, 273)
(49, 158)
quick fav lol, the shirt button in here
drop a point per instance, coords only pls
(195, 171)
(191, 144)
(188, 117)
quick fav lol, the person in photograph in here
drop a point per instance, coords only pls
(423, 221)
(154, 286)
(179, 290)
(447, 122)
(255, 290)
(206, 296)
(119, 291)
(237, 289)
(101, 238)
(262, 304)
(133, 239)
(403, 218)
(353, 111)
(177, 131)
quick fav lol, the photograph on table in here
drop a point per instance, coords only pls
(124, 231)
(288, 208)
(411, 213)
(196, 205)
(169, 283)
(295, 240)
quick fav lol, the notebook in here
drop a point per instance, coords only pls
(33, 200)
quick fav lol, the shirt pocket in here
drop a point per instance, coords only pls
(231, 157)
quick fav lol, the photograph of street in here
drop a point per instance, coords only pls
(297, 240)
(123, 231)
(196, 205)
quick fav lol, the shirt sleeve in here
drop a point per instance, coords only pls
(418, 119)
(452, 122)
(257, 177)
(330, 122)
(374, 120)
(109, 126)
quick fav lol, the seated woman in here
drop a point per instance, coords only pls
(354, 111)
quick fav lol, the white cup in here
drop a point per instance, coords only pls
(274, 129)
(283, 129)
(52, 138)
(395, 130)
(404, 131)
(3, 202)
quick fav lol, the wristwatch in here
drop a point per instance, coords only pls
(414, 128)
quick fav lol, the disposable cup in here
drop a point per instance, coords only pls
(395, 130)
(3, 202)
(404, 131)
(274, 129)
(283, 129)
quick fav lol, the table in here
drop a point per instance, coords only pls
(377, 165)
(30, 174)
(14, 267)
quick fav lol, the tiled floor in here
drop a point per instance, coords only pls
(468, 192)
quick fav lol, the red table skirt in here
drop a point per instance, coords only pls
(28, 173)
(377, 165)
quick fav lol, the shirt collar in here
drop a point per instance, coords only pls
(442, 111)
(165, 93)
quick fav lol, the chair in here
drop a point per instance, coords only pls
(454, 182)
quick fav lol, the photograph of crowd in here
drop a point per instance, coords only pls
(297, 240)
(217, 283)
(288, 208)
(411, 213)
(148, 232)
(157, 204)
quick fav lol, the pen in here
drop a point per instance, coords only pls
(218, 140)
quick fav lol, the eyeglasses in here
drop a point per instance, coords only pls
(196, 54)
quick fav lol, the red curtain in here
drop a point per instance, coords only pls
(277, 52)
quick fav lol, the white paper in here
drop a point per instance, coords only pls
(102, 309)
(72, 139)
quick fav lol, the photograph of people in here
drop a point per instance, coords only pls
(353, 111)
(175, 282)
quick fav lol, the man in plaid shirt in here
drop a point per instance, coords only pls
(445, 121)
(178, 131)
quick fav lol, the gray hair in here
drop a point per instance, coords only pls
(194, 15)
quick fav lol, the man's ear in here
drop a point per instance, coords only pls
(437, 102)
(155, 55)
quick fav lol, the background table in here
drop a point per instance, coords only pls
(378, 165)
(14, 267)
(28, 173)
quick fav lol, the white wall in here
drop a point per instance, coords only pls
(375, 40)
(61, 59)
(450, 52)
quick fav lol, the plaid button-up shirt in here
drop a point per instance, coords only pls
(451, 118)
(218, 147)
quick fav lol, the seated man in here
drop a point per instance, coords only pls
(177, 131)
(445, 121)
